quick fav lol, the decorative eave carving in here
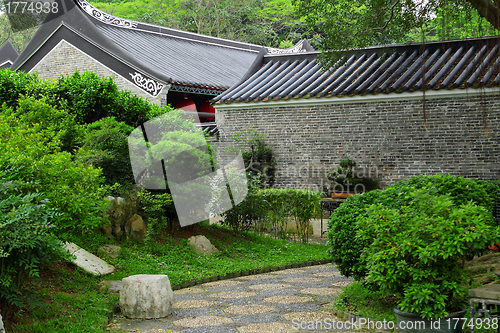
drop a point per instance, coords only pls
(298, 48)
(196, 90)
(105, 17)
(150, 86)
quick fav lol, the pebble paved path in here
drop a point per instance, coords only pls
(270, 302)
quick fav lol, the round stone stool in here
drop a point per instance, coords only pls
(146, 296)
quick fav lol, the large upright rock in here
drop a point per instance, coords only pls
(202, 245)
(135, 228)
(146, 296)
(119, 212)
(2, 328)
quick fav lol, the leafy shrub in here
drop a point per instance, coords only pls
(30, 152)
(26, 240)
(87, 96)
(153, 208)
(250, 211)
(348, 180)
(304, 205)
(345, 248)
(278, 207)
(55, 124)
(105, 146)
(415, 249)
(301, 205)
(461, 189)
(257, 155)
(14, 84)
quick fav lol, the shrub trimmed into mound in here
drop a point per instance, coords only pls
(344, 245)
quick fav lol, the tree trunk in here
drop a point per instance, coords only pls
(488, 9)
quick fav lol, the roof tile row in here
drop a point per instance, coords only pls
(442, 65)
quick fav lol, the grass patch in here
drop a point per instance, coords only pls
(66, 299)
(358, 298)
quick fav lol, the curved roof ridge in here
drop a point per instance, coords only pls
(8, 55)
(70, 16)
(302, 46)
(106, 18)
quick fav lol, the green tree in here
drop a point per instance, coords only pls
(360, 23)
(263, 22)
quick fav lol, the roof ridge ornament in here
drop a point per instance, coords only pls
(151, 86)
(297, 48)
(105, 17)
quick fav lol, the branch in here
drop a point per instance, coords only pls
(386, 23)
(487, 9)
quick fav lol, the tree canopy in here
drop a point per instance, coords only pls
(328, 25)
(350, 24)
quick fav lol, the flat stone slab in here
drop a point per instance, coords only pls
(491, 291)
(88, 262)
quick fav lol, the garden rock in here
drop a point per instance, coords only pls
(111, 251)
(135, 228)
(2, 328)
(202, 245)
(119, 212)
(146, 296)
(87, 261)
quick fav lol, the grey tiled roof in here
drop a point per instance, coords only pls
(438, 65)
(188, 61)
(184, 60)
(8, 55)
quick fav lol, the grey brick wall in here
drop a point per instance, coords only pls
(65, 59)
(387, 139)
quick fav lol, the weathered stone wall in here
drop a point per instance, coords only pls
(65, 59)
(387, 139)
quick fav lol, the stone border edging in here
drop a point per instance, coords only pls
(256, 271)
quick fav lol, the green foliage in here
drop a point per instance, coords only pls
(251, 211)
(415, 249)
(53, 123)
(455, 22)
(345, 247)
(257, 155)
(14, 84)
(304, 205)
(31, 152)
(362, 299)
(87, 96)
(91, 97)
(348, 25)
(26, 240)
(105, 146)
(263, 22)
(153, 209)
(348, 180)
(278, 210)
(301, 205)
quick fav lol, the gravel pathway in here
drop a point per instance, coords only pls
(271, 302)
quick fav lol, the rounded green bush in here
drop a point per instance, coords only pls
(415, 251)
(345, 247)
